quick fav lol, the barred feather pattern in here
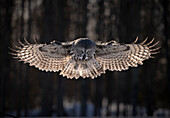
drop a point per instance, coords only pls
(123, 59)
(42, 60)
(111, 56)
(76, 68)
(45, 60)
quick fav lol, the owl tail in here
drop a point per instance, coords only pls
(90, 68)
(94, 69)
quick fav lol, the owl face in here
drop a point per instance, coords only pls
(84, 49)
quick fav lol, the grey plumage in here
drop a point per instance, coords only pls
(84, 57)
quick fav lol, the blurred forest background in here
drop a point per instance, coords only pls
(142, 91)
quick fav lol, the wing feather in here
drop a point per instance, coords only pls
(108, 56)
(45, 57)
(120, 57)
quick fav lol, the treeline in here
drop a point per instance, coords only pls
(24, 88)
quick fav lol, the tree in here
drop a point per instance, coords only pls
(130, 28)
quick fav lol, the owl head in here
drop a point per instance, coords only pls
(84, 49)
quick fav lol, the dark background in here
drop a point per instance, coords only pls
(142, 91)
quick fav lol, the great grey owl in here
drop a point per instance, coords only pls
(84, 57)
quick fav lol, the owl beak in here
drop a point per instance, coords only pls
(83, 56)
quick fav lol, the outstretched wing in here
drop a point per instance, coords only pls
(45, 57)
(118, 57)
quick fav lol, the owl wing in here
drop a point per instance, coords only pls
(118, 57)
(45, 57)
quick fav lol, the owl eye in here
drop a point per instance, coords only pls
(87, 51)
(82, 51)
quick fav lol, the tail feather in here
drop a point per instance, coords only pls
(75, 69)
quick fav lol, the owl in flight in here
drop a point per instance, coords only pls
(84, 57)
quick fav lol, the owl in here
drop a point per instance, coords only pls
(84, 57)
